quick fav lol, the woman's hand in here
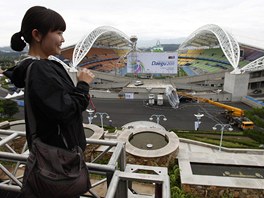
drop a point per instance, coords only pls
(85, 75)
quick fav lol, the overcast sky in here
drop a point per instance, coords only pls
(147, 19)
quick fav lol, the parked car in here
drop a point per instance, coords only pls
(257, 91)
(138, 83)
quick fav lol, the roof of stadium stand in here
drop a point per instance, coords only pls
(213, 36)
(104, 36)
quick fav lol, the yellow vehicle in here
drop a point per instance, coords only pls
(236, 116)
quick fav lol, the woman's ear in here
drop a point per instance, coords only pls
(36, 35)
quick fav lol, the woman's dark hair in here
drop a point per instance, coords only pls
(40, 18)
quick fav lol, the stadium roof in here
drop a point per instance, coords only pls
(104, 36)
(212, 36)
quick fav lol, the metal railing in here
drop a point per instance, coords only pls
(109, 163)
(121, 184)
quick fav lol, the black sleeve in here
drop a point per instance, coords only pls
(81, 92)
(52, 96)
(9, 72)
(82, 87)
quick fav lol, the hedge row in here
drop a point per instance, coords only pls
(256, 135)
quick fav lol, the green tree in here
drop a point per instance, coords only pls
(8, 108)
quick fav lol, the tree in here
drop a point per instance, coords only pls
(9, 108)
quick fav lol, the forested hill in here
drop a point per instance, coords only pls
(8, 52)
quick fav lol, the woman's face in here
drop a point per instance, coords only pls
(51, 43)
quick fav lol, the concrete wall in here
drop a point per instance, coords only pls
(103, 94)
(237, 85)
(163, 161)
(114, 95)
(201, 78)
(221, 97)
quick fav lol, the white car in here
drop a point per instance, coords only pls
(138, 83)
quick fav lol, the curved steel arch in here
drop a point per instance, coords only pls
(255, 65)
(228, 44)
(83, 46)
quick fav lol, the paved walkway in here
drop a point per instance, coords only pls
(201, 153)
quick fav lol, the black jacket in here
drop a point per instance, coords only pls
(56, 103)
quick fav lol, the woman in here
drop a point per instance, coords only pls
(56, 103)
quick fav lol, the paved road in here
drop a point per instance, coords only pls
(125, 111)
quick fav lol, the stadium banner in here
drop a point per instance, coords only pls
(152, 62)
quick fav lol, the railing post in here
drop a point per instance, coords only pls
(122, 191)
(122, 158)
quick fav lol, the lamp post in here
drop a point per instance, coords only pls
(158, 117)
(197, 123)
(102, 117)
(222, 127)
(218, 92)
(90, 117)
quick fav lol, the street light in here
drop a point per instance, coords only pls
(158, 117)
(223, 126)
(90, 117)
(197, 123)
(218, 92)
(102, 117)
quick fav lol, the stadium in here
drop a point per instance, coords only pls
(210, 62)
(209, 67)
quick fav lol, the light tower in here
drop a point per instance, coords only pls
(134, 39)
(133, 52)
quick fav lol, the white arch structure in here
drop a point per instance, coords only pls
(102, 36)
(211, 36)
(255, 65)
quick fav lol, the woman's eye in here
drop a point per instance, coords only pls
(60, 32)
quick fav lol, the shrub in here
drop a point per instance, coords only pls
(8, 108)
(257, 116)
(175, 184)
(256, 135)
